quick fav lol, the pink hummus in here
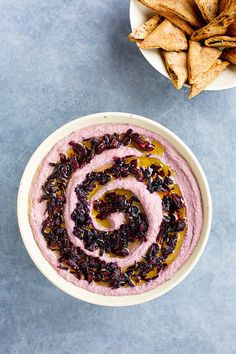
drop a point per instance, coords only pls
(151, 203)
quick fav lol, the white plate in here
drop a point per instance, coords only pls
(34, 251)
(138, 15)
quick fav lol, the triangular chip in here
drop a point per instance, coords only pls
(167, 37)
(230, 55)
(200, 59)
(206, 78)
(138, 34)
(224, 4)
(221, 41)
(186, 9)
(218, 26)
(176, 65)
(179, 22)
(208, 8)
(231, 30)
(176, 20)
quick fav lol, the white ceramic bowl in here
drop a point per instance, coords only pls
(34, 251)
(138, 15)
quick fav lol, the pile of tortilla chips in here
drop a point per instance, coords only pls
(197, 39)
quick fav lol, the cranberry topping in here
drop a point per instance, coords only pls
(73, 259)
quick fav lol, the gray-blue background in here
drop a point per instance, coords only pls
(60, 59)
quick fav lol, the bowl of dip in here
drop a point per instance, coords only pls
(114, 209)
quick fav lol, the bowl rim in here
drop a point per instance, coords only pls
(27, 235)
(145, 53)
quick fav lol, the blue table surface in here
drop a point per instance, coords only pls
(63, 59)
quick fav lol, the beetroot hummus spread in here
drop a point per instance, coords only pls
(115, 209)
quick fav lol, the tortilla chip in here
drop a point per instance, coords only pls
(208, 8)
(218, 26)
(176, 20)
(186, 9)
(200, 59)
(231, 30)
(176, 65)
(207, 77)
(180, 23)
(224, 4)
(221, 41)
(230, 55)
(167, 37)
(142, 31)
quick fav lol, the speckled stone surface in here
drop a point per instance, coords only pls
(62, 59)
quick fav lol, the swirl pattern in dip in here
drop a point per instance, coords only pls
(115, 209)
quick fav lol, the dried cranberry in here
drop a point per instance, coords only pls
(116, 242)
